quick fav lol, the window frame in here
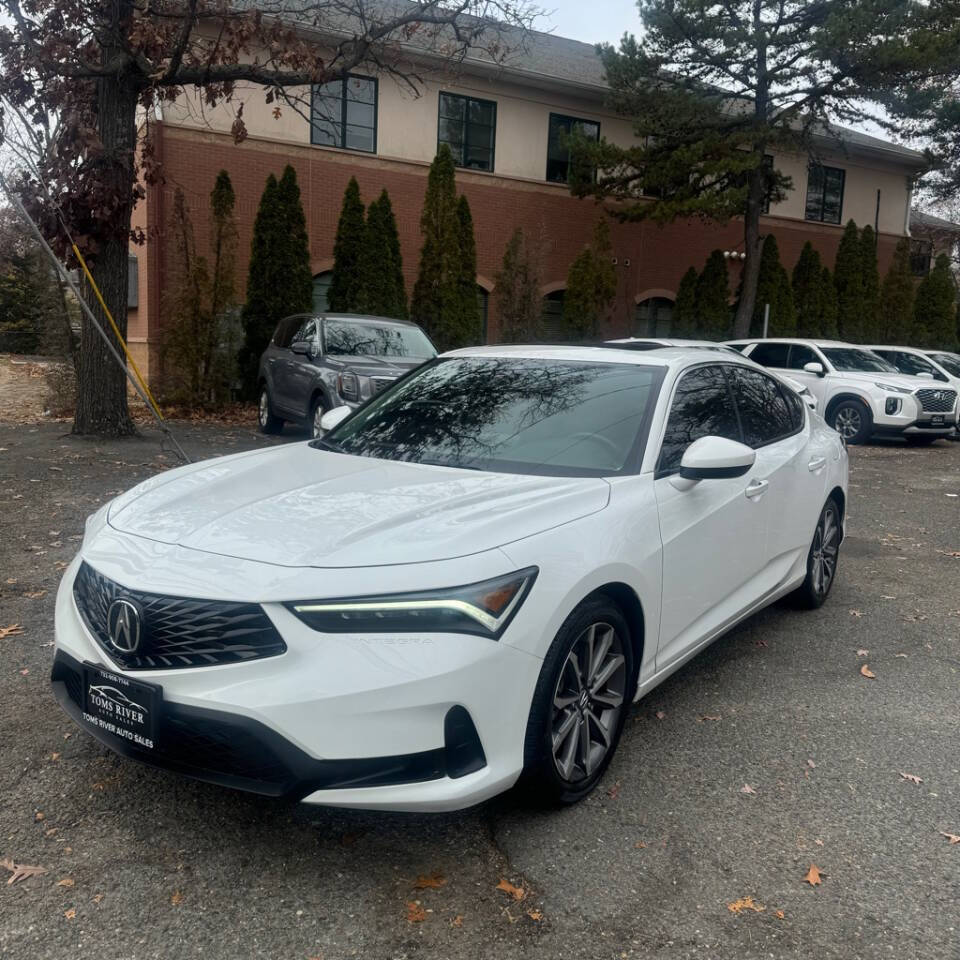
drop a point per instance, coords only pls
(466, 97)
(843, 187)
(565, 116)
(342, 145)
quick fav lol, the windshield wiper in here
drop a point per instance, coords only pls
(443, 463)
(327, 445)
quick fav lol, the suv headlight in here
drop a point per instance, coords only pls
(484, 609)
(891, 387)
(348, 386)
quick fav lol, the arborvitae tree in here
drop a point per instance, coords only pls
(773, 288)
(517, 291)
(936, 308)
(714, 315)
(848, 279)
(436, 292)
(591, 285)
(896, 298)
(870, 309)
(347, 280)
(223, 244)
(468, 306)
(381, 270)
(828, 306)
(685, 322)
(808, 292)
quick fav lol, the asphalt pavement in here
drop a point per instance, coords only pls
(768, 754)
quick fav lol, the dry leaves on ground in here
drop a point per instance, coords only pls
(707, 717)
(65, 882)
(14, 630)
(176, 898)
(779, 914)
(426, 881)
(745, 903)
(952, 837)
(71, 913)
(415, 913)
(856, 613)
(862, 653)
(865, 671)
(813, 875)
(20, 871)
(614, 791)
(746, 788)
(457, 921)
(661, 715)
(911, 777)
(518, 893)
(535, 915)
(35, 594)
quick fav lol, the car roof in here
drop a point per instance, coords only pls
(886, 346)
(667, 342)
(362, 318)
(806, 341)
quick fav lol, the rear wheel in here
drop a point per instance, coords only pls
(852, 420)
(821, 559)
(266, 421)
(580, 704)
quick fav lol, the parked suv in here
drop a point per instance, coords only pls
(316, 363)
(858, 392)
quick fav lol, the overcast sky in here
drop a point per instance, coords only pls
(591, 20)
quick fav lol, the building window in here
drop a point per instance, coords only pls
(558, 143)
(321, 286)
(921, 253)
(483, 308)
(468, 127)
(553, 327)
(344, 114)
(824, 193)
(133, 281)
(653, 317)
(767, 174)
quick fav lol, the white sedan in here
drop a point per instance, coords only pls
(462, 586)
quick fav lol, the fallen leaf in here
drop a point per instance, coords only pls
(38, 815)
(517, 893)
(885, 597)
(349, 839)
(176, 898)
(952, 837)
(746, 788)
(35, 594)
(707, 717)
(54, 756)
(661, 715)
(813, 875)
(818, 842)
(98, 898)
(427, 881)
(415, 913)
(778, 914)
(65, 882)
(862, 653)
(25, 671)
(900, 656)
(911, 777)
(71, 913)
(14, 630)
(865, 671)
(457, 921)
(811, 764)
(745, 903)
(856, 613)
(760, 643)
(640, 845)
(614, 791)
(535, 915)
(20, 871)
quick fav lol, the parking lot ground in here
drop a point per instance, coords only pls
(768, 753)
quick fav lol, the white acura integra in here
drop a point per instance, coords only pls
(462, 585)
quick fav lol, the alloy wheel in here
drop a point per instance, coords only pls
(263, 411)
(588, 701)
(847, 422)
(318, 413)
(826, 541)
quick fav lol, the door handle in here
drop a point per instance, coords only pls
(816, 464)
(756, 488)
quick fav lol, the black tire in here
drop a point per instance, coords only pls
(852, 420)
(593, 716)
(919, 440)
(317, 409)
(267, 420)
(822, 559)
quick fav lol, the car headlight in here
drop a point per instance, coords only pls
(348, 386)
(484, 609)
(891, 387)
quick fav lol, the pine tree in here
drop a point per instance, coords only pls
(714, 316)
(436, 292)
(591, 285)
(347, 280)
(773, 288)
(221, 346)
(896, 298)
(870, 308)
(828, 306)
(848, 279)
(517, 291)
(684, 322)
(468, 307)
(382, 292)
(295, 267)
(808, 292)
(936, 308)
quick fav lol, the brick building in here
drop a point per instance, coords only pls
(503, 123)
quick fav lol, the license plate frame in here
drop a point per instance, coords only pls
(938, 420)
(121, 706)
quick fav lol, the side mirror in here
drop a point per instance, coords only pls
(814, 366)
(924, 376)
(333, 417)
(713, 458)
(303, 347)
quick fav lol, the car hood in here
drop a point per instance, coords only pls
(896, 379)
(369, 366)
(299, 506)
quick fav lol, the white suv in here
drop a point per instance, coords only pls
(858, 392)
(936, 365)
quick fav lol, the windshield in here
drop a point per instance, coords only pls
(372, 339)
(508, 415)
(850, 358)
(949, 362)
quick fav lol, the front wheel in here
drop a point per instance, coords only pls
(317, 410)
(579, 705)
(852, 420)
(821, 559)
(266, 421)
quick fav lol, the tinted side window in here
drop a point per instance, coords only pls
(764, 412)
(286, 328)
(795, 405)
(701, 407)
(799, 355)
(909, 363)
(770, 354)
(306, 332)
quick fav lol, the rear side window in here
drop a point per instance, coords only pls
(286, 328)
(796, 406)
(701, 407)
(765, 413)
(771, 354)
(799, 356)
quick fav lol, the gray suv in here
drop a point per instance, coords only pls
(316, 363)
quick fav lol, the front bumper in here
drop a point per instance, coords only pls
(917, 428)
(429, 723)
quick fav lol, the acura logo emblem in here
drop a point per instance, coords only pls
(123, 626)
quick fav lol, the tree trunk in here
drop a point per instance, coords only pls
(101, 382)
(752, 245)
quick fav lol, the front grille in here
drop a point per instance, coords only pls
(936, 401)
(177, 631)
(381, 383)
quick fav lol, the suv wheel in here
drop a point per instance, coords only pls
(852, 420)
(266, 420)
(579, 705)
(316, 415)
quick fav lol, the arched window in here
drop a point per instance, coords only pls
(321, 284)
(483, 308)
(552, 326)
(653, 317)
